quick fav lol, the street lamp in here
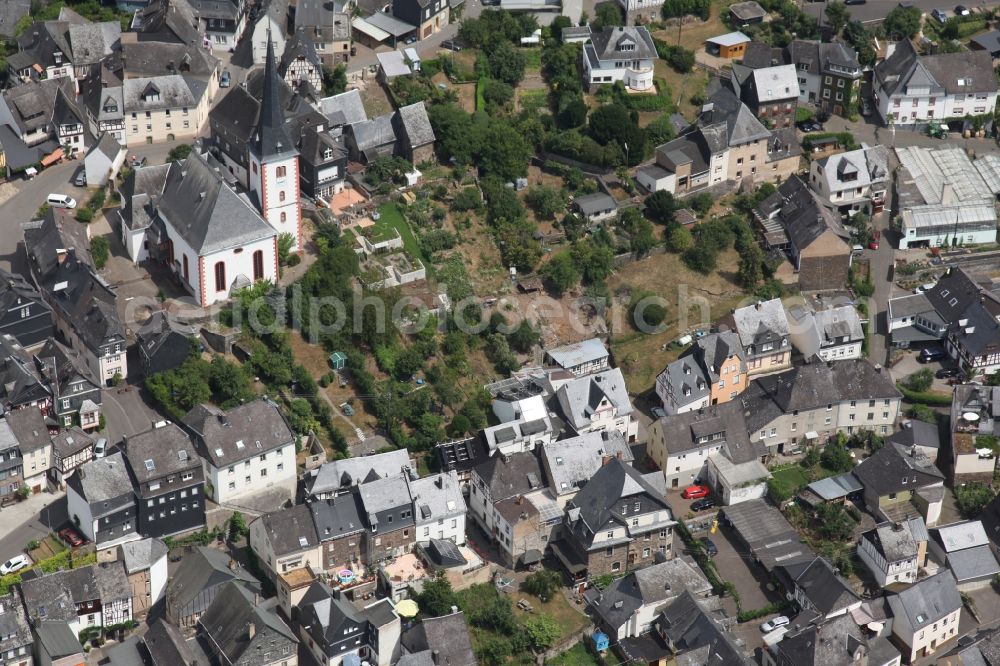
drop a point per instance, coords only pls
(625, 143)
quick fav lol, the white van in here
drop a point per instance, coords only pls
(61, 201)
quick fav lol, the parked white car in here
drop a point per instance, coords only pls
(773, 624)
(14, 564)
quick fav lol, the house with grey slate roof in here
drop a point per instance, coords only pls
(595, 403)
(570, 463)
(895, 552)
(82, 303)
(711, 444)
(816, 586)
(169, 481)
(595, 208)
(925, 615)
(338, 477)
(901, 483)
(912, 89)
(338, 632)
(196, 582)
(16, 640)
(405, 132)
(327, 25)
(447, 636)
(834, 334)
(439, 508)
(23, 312)
(239, 630)
(94, 595)
(797, 222)
(248, 450)
(966, 550)
(299, 63)
(763, 332)
(853, 181)
(628, 607)
(728, 144)
(103, 160)
(387, 507)
(616, 522)
(710, 372)
(285, 541)
(813, 402)
(835, 642)
(695, 632)
(618, 53)
(101, 501)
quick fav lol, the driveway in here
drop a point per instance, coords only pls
(30, 194)
(426, 48)
(126, 413)
(876, 10)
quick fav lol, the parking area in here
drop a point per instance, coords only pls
(910, 364)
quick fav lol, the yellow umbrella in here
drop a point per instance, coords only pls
(407, 608)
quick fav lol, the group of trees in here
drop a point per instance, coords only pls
(198, 381)
(503, 634)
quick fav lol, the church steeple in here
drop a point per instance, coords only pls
(270, 137)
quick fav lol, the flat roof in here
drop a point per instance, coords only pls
(729, 39)
(390, 24)
(393, 64)
(363, 26)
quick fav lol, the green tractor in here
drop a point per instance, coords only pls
(936, 131)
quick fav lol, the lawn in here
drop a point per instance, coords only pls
(570, 620)
(705, 298)
(532, 59)
(791, 479)
(578, 655)
(391, 217)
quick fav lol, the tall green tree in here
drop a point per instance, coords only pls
(837, 15)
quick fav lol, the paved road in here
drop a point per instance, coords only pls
(31, 194)
(875, 10)
(426, 48)
(48, 520)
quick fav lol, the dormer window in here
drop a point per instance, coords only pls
(151, 94)
(328, 154)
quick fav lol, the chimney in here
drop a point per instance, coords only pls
(251, 631)
(605, 459)
(618, 455)
(520, 500)
(435, 655)
(61, 255)
(758, 304)
(233, 566)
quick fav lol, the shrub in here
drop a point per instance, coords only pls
(972, 498)
(99, 250)
(542, 584)
(920, 381)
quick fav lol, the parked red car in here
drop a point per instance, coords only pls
(71, 536)
(695, 492)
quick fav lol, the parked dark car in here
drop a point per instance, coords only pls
(702, 504)
(710, 547)
(71, 536)
(945, 373)
(810, 126)
(451, 45)
(931, 354)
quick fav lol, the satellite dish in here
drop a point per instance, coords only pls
(970, 416)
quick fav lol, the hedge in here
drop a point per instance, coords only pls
(925, 397)
(777, 607)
